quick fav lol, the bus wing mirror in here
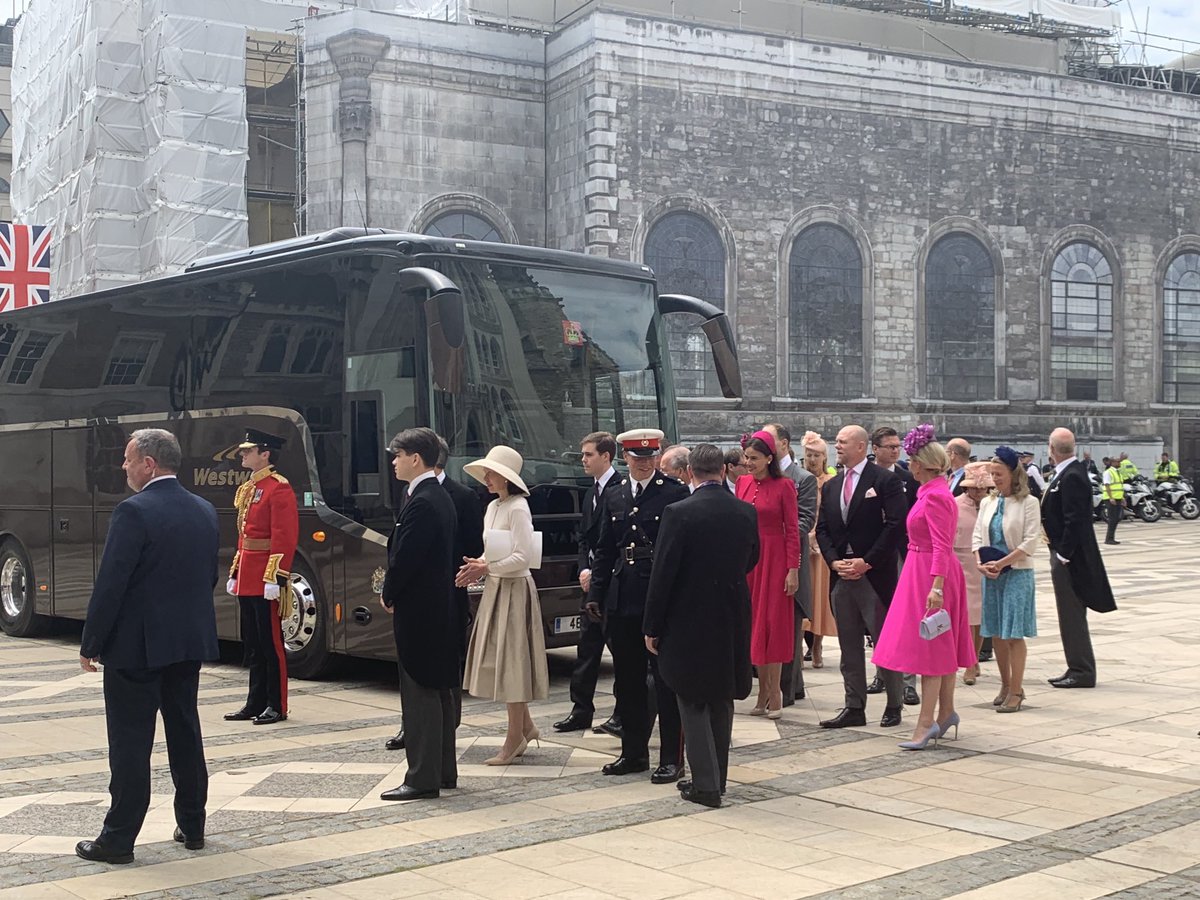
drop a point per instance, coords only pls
(444, 311)
(719, 332)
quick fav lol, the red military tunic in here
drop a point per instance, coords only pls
(268, 529)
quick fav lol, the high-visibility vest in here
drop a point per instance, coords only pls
(1128, 469)
(1115, 489)
(1167, 471)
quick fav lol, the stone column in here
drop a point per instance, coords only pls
(354, 54)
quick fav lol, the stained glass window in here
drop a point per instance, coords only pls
(825, 314)
(1181, 330)
(1081, 324)
(960, 320)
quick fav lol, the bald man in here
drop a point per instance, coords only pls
(675, 463)
(1076, 568)
(959, 451)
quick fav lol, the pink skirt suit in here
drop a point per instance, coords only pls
(772, 612)
(931, 530)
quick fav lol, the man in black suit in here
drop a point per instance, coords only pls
(469, 542)
(418, 591)
(596, 451)
(858, 530)
(1076, 568)
(151, 623)
(697, 617)
(959, 451)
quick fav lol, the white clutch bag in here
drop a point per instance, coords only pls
(498, 545)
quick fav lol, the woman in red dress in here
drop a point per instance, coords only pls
(774, 581)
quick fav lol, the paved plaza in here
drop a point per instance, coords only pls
(1085, 793)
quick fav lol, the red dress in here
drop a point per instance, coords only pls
(772, 612)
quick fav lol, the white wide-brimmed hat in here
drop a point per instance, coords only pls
(504, 461)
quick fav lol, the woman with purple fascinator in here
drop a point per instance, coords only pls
(931, 580)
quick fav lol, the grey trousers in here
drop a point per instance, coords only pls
(707, 729)
(792, 673)
(428, 718)
(1072, 624)
(857, 609)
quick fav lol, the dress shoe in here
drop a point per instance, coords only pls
(1072, 682)
(876, 686)
(94, 851)
(242, 715)
(1063, 677)
(574, 722)
(711, 799)
(846, 719)
(1112, 543)
(985, 655)
(269, 717)
(450, 784)
(501, 759)
(623, 765)
(395, 743)
(408, 792)
(685, 784)
(192, 843)
(612, 727)
(932, 733)
(891, 717)
(668, 774)
(911, 698)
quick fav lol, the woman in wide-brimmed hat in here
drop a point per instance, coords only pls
(506, 657)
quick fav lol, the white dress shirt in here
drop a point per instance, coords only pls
(412, 484)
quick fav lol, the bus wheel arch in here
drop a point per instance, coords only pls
(306, 632)
(18, 599)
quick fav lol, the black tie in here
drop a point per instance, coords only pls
(596, 496)
(637, 489)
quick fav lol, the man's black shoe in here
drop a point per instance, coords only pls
(1112, 542)
(891, 717)
(876, 686)
(574, 722)
(985, 655)
(1072, 682)
(668, 774)
(910, 696)
(242, 715)
(1063, 677)
(846, 719)
(192, 843)
(685, 784)
(407, 792)
(94, 851)
(395, 743)
(612, 726)
(711, 799)
(269, 717)
(623, 765)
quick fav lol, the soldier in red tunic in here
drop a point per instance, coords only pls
(268, 528)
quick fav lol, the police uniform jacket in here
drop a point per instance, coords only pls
(268, 529)
(624, 549)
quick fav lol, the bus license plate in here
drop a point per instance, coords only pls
(566, 624)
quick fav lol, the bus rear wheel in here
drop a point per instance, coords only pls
(305, 631)
(18, 605)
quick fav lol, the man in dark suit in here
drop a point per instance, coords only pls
(697, 617)
(858, 530)
(418, 591)
(469, 542)
(959, 451)
(597, 451)
(151, 623)
(1076, 568)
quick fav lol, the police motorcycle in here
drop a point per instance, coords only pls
(1140, 499)
(1177, 495)
(1097, 496)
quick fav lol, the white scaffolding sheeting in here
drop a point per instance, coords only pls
(1107, 18)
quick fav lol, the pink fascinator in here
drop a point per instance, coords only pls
(918, 438)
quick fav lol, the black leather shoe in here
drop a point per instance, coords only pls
(1063, 677)
(395, 743)
(911, 698)
(94, 851)
(574, 722)
(668, 774)
(1072, 682)
(1112, 543)
(623, 765)
(876, 686)
(192, 843)
(685, 784)
(612, 726)
(711, 799)
(407, 792)
(891, 717)
(242, 715)
(269, 717)
(846, 719)
(985, 655)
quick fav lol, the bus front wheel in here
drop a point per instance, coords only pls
(18, 605)
(305, 631)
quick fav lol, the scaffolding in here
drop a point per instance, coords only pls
(1052, 19)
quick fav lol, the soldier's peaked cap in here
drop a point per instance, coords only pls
(261, 440)
(641, 441)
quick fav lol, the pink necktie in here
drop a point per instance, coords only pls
(848, 487)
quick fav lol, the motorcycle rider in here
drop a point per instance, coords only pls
(1114, 498)
(1167, 469)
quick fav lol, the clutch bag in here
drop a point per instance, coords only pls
(937, 622)
(992, 554)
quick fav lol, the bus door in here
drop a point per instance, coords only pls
(72, 526)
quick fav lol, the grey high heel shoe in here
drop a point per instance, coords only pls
(1002, 708)
(1002, 696)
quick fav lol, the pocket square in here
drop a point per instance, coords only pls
(870, 493)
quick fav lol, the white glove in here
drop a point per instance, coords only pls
(271, 591)
(231, 587)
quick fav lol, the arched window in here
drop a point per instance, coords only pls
(960, 320)
(688, 257)
(1081, 324)
(1181, 330)
(825, 303)
(463, 226)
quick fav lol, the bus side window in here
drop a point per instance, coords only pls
(366, 476)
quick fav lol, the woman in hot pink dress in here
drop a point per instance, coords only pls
(774, 581)
(932, 579)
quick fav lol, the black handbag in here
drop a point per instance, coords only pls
(993, 554)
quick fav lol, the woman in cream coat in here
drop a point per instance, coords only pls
(1009, 521)
(506, 657)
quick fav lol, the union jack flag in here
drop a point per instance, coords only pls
(24, 265)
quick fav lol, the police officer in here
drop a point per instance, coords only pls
(268, 529)
(1114, 497)
(623, 555)
(1167, 470)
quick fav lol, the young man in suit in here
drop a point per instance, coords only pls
(1076, 568)
(596, 452)
(697, 619)
(858, 530)
(418, 591)
(151, 623)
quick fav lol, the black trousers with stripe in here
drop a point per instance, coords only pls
(262, 637)
(631, 664)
